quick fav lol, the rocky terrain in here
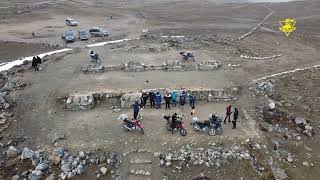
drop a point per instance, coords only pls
(61, 122)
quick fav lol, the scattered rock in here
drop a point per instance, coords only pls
(42, 166)
(299, 120)
(35, 175)
(103, 170)
(12, 152)
(290, 158)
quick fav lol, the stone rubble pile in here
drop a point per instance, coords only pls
(69, 165)
(213, 156)
(80, 102)
(261, 87)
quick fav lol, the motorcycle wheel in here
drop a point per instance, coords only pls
(183, 132)
(141, 131)
(211, 132)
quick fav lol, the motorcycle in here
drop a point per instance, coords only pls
(95, 58)
(216, 125)
(179, 126)
(131, 125)
(213, 125)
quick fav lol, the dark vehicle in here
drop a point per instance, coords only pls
(98, 32)
(179, 125)
(69, 36)
(83, 34)
(213, 125)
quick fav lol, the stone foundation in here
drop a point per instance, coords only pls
(126, 99)
(80, 102)
(92, 68)
(132, 66)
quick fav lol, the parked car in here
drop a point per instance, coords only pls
(68, 36)
(97, 31)
(83, 34)
(71, 22)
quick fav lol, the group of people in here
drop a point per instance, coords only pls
(36, 60)
(235, 116)
(170, 99)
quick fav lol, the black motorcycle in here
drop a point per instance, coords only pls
(213, 126)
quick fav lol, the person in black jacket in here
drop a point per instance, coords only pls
(152, 99)
(235, 118)
(34, 63)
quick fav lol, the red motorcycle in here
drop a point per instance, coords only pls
(131, 125)
(179, 126)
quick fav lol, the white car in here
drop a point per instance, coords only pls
(71, 22)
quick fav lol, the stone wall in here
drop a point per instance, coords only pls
(79, 102)
(126, 99)
(133, 66)
(92, 68)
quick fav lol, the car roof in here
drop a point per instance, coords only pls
(70, 19)
(83, 30)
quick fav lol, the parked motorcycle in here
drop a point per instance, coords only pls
(131, 125)
(213, 125)
(216, 125)
(179, 126)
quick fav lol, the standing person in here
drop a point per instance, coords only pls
(182, 100)
(152, 99)
(167, 99)
(136, 109)
(192, 99)
(174, 96)
(34, 63)
(158, 100)
(228, 113)
(142, 105)
(145, 98)
(235, 118)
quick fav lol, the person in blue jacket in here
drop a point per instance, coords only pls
(158, 100)
(174, 96)
(192, 100)
(136, 109)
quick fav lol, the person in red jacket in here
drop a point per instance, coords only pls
(228, 113)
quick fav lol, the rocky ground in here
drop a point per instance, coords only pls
(277, 135)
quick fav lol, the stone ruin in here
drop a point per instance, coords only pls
(92, 68)
(208, 65)
(80, 102)
(133, 66)
(126, 99)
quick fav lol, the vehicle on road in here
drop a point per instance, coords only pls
(71, 22)
(68, 36)
(98, 32)
(83, 34)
